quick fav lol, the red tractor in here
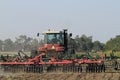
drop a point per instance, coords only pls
(55, 45)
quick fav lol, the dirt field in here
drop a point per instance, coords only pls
(60, 76)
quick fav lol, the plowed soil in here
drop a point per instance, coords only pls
(60, 76)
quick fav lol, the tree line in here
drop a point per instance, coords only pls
(82, 43)
(21, 43)
(85, 43)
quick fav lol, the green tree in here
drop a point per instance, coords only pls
(113, 44)
(77, 41)
(97, 46)
(34, 44)
(1, 45)
(83, 43)
(8, 45)
(23, 43)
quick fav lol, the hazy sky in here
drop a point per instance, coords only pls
(97, 18)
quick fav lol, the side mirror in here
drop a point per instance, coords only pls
(70, 35)
(38, 34)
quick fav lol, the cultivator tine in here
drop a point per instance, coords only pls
(63, 68)
(54, 68)
(90, 68)
(77, 69)
(13, 68)
(59, 68)
(71, 68)
(95, 68)
(5, 68)
(74, 69)
(33, 68)
(67, 68)
(26, 69)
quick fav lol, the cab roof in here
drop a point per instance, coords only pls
(52, 31)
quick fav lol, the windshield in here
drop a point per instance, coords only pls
(54, 38)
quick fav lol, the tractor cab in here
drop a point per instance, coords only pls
(54, 37)
(54, 41)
